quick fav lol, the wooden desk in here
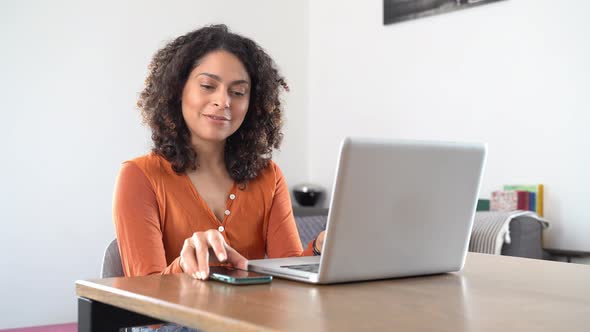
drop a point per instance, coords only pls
(492, 293)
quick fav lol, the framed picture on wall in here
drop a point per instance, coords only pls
(395, 11)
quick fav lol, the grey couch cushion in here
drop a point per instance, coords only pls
(526, 238)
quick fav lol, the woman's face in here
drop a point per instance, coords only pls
(215, 97)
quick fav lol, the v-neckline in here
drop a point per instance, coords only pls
(200, 199)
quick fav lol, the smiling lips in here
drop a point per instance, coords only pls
(216, 117)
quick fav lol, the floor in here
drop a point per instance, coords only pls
(70, 327)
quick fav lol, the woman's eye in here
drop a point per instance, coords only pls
(238, 93)
(207, 87)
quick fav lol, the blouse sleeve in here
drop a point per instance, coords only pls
(282, 239)
(137, 224)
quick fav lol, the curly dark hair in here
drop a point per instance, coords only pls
(250, 148)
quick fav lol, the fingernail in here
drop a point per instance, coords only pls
(201, 275)
(196, 275)
(222, 257)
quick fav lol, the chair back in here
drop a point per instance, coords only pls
(111, 262)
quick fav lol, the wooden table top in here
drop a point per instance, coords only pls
(492, 293)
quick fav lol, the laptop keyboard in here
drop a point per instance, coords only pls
(313, 268)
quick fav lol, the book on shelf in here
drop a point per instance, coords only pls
(483, 205)
(532, 201)
(522, 200)
(535, 195)
(504, 200)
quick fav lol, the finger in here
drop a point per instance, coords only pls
(235, 259)
(321, 238)
(202, 254)
(188, 261)
(217, 243)
(215, 246)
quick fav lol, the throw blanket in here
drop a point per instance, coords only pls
(491, 230)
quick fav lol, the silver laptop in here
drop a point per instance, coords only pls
(398, 208)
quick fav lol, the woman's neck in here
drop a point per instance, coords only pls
(210, 155)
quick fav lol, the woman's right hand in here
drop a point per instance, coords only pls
(194, 256)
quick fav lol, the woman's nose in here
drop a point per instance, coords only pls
(222, 99)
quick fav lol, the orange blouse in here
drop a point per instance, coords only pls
(155, 210)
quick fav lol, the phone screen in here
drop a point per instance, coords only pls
(237, 277)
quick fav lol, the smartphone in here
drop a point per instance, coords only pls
(237, 277)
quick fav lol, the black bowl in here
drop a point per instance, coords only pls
(307, 195)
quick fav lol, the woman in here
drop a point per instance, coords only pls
(209, 189)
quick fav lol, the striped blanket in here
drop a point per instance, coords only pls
(491, 230)
(309, 227)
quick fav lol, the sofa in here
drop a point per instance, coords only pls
(525, 232)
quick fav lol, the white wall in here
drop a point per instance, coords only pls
(514, 74)
(70, 76)
(507, 73)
